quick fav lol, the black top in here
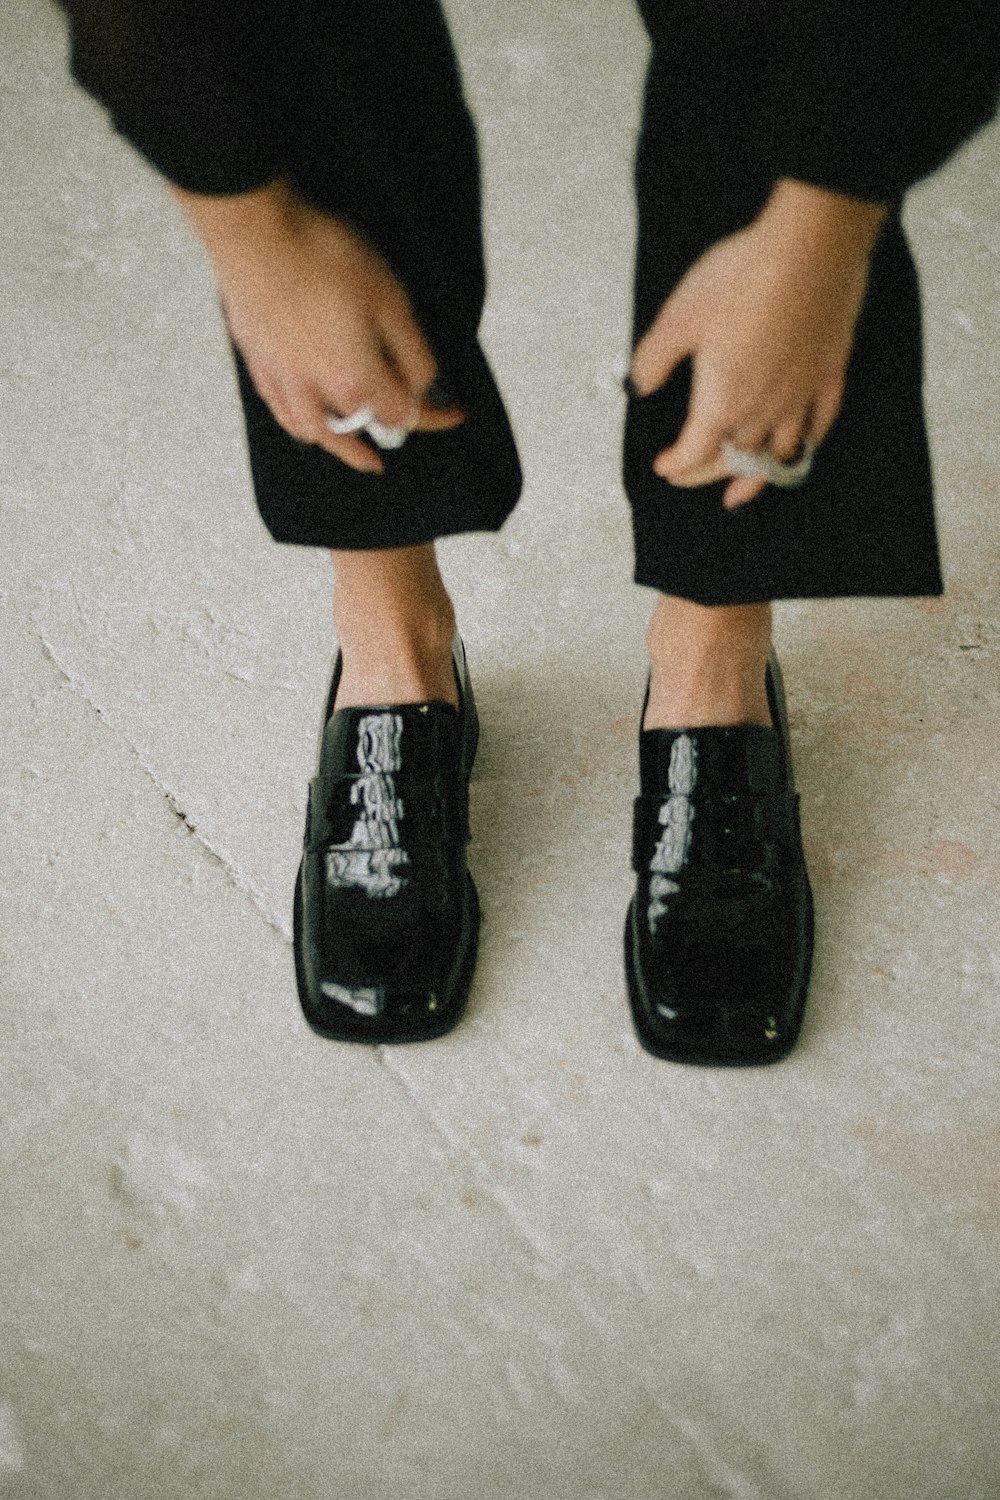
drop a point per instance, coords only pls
(861, 96)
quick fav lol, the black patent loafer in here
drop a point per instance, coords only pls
(719, 936)
(386, 913)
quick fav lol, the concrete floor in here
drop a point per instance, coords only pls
(528, 1262)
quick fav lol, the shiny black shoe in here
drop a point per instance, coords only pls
(386, 914)
(719, 936)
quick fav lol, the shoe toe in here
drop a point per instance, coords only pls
(378, 1012)
(383, 971)
(714, 1022)
(732, 999)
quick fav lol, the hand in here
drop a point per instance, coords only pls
(323, 324)
(767, 316)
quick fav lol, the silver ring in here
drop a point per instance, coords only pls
(766, 466)
(387, 437)
(365, 420)
(357, 421)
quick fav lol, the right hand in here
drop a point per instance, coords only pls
(321, 321)
(767, 316)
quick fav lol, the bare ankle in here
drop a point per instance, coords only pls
(395, 623)
(707, 665)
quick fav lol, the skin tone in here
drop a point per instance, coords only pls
(323, 324)
(767, 316)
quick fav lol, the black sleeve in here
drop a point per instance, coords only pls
(199, 87)
(868, 96)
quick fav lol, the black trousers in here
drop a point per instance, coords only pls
(389, 146)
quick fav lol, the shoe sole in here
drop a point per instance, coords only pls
(658, 1048)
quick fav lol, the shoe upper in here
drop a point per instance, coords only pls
(386, 904)
(720, 927)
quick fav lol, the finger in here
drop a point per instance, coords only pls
(404, 414)
(355, 448)
(407, 348)
(351, 451)
(743, 489)
(695, 458)
(313, 413)
(659, 351)
(272, 394)
(706, 469)
(420, 417)
(693, 477)
(306, 422)
(436, 419)
(396, 407)
(370, 380)
(405, 345)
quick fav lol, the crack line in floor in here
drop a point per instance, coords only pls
(235, 877)
(733, 1484)
(540, 1249)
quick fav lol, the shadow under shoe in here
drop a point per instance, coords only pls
(719, 935)
(386, 913)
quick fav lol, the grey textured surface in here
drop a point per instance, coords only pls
(528, 1260)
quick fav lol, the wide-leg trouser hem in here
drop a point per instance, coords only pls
(438, 484)
(384, 141)
(863, 524)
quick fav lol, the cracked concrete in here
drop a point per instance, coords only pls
(235, 876)
(528, 1260)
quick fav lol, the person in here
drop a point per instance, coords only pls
(774, 444)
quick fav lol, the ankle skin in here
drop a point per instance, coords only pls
(395, 623)
(707, 664)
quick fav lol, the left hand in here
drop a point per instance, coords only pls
(767, 316)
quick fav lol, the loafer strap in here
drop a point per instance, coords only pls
(673, 832)
(376, 810)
